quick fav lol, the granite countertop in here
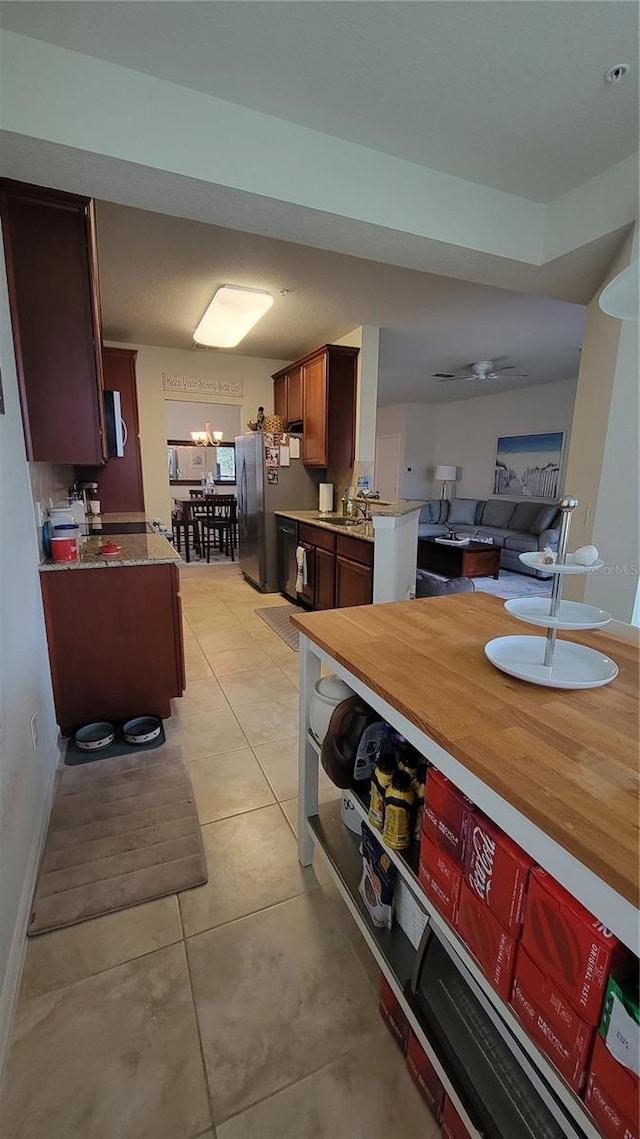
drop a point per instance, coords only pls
(360, 529)
(137, 549)
(313, 518)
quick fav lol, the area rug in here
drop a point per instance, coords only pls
(122, 832)
(511, 585)
(277, 618)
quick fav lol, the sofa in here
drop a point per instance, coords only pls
(517, 527)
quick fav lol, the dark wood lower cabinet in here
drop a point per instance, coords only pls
(354, 583)
(339, 568)
(115, 642)
(325, 580)
(308, 593)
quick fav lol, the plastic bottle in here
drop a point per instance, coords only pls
(380, 781)
(418, 784)
(398, 812)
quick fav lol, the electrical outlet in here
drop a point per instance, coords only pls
(40, 514)
(33, 725)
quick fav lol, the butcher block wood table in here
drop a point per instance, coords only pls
(557, 770)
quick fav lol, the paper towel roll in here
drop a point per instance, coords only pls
(325, 504)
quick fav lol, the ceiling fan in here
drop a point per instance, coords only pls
(481, 370)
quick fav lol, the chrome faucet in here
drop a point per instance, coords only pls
(366, 497)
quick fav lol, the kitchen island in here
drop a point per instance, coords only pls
(557, 771)
(390, 566)
(115, 639)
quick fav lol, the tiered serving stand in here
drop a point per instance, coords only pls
(546, 660)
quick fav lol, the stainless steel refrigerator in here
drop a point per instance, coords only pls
(258, 499)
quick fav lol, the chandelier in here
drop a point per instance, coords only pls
(206, 438)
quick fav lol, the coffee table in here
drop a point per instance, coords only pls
(475, 559)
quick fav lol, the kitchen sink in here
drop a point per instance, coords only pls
(340, 521)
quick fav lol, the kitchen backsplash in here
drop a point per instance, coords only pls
(50, 483)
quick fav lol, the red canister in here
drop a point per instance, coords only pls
(64, 549)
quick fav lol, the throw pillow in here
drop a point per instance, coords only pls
(497, 513)
(434, 510)
(545, 518)
(524, 516)
(462, 511)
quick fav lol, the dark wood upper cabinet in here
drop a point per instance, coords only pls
(50, 248)
(294, 395)
(120, 480)
(315, 418)
(280, 397)
(320, 391)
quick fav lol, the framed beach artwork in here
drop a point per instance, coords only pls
(528, 466)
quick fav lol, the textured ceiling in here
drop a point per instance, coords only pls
(510, 95)
(158, 273)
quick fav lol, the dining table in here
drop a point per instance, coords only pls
(187, 514)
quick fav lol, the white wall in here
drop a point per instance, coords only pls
(466, 431)
(182, 417)
(617, 512)
(415, 423)
(26, 774)
(152, 361)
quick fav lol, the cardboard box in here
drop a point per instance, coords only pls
(447, 814)
(612, 1095)
(496, 869)
(452, 1126)
(425, 1076)
(393, 1015)
(620, 1024)
(493, 948)
(441, 877)
(551, 1021)
(569, 944)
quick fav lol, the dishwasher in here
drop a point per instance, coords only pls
(287, 568)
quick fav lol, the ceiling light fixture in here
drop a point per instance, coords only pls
(206, 438)
(231, 314)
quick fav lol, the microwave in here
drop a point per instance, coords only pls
(116, 428)
(485, 1065)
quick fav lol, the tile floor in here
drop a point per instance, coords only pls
(243, 1009)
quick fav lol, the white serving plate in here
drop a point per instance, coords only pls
(569, 566)
(574, 666)
(571, 614)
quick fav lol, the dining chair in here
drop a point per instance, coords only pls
(222, 523)
(183, 523)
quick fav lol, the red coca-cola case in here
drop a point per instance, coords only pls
(425, 1076)
(497, 870)
(612, 1095)
(447, 813)
(441, 877)
(393, 1015)
(569, 944)
(452, 1126)
(551, 1021)
(491, 945)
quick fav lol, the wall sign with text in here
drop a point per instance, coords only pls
(194, 385)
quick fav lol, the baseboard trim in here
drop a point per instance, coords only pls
(15, 962)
